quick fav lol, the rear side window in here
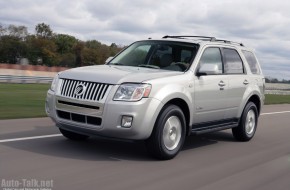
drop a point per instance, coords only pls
(233, 62)
(252, 61)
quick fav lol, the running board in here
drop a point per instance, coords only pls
(198, 131)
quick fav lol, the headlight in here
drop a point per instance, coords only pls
(54, 83)
(132, 92)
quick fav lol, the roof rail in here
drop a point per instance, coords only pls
(229, 42)
(198, 37)
(205, 38)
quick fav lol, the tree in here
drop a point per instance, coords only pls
(12, 43)
(267, 80)
(17, 31)
(93, 44)
(90, 56)
(78, 49)
(67, 60)
(45, 47)
(114, 49)
(43, 30)
(274, 80)
(96, 53)
(42, 49)
(65, 43)
(11, 49)
(50, 57)
(2, 30)
(104, 53)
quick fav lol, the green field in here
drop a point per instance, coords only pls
(27, 100)
(277, 99)
(22, 100)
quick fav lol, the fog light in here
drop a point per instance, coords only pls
(127, 121)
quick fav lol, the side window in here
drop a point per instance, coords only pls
(212, 56)
(233, 62)
(252, 61)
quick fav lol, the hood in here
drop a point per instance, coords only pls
(112, 74)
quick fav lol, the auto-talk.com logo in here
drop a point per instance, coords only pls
(80, 89)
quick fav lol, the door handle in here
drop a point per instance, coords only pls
(221, 83)
(246, 82)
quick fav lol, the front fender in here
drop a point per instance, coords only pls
(175, 91)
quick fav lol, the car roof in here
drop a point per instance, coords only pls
(204, 40)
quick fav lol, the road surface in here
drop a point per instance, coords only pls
(32, 149)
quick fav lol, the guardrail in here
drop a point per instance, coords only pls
(278, 92)
(277, 88)
(24, 79)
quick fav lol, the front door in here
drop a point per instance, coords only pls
(210, 93)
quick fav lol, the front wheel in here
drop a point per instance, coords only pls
(168, 135)
(248, 123)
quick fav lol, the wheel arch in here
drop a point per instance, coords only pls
(256, 100)
(182, 104)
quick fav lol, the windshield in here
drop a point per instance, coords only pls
(167, 55)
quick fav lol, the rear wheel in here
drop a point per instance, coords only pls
(73, 136)
(248, 123)
(168, 135)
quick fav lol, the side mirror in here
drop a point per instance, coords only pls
(108, 60)
(208, 69)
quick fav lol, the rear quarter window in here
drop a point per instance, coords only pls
(252, 61)
(233, 62)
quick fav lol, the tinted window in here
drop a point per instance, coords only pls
(252, 61)
(160, 53)
(157, 55)
(137, 55)
(233, 62)
(186, 56)
(212, 56)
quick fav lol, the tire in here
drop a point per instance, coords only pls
(168, 135)
(73, 136)
(248, 123)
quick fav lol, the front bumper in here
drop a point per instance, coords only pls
(144, 113)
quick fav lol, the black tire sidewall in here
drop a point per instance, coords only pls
(167, 112)
(249, 106)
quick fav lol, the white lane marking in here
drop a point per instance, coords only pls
(29, 138)
(272, 113)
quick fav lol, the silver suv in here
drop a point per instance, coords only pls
(161, 91)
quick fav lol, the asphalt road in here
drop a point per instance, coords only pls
(212, 161)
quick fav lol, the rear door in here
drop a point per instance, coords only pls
(238, 81)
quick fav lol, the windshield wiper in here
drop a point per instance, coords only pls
(149, 66)
(116, 64)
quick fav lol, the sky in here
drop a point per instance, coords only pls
(263, 25)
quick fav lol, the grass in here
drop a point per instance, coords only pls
(28, 100)
(277, 99)
(22, 100)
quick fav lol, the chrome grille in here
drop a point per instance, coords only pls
(85, 90)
